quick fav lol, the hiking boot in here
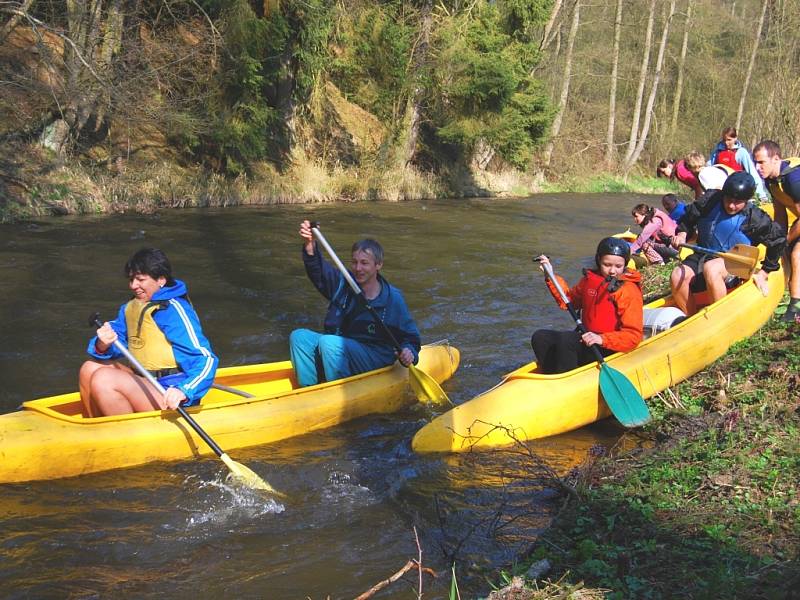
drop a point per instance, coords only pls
(792, 315)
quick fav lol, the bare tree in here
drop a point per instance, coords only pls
(643, 71)
(676, 100)
(547, 36)
(564, 97)
(612, 96)
(648, 113)
(751, 64)
(414, 106)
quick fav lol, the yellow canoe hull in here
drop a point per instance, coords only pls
(50, 439)
(527, 405)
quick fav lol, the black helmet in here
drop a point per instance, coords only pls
(739, 185)
(615, 246)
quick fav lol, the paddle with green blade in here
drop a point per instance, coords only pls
(624, 400)
(241, 473)
(425, 387)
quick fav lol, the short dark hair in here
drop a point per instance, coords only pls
(149, 261)
(772, 148)
(670, 197)
(729, 132)
(371, 246)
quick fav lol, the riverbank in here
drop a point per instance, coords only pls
(35, 183)
(707, 505)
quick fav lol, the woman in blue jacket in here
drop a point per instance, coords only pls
(730, 151)
(352, 342)
(161, 329)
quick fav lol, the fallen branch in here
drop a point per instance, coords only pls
(411, 564)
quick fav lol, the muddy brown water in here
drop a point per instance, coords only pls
(356, 492)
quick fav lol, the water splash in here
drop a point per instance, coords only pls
(341, 488)
(223, 502)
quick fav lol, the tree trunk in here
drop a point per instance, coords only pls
(751, 64)
(648, 113)
(676, 102)
(547, 36)
(637, 111)
(562, 102)
(611, 151)
(414, 106)
(94, 37)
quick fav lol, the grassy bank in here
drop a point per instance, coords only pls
(610, 183)
(708, 504)
(35, 183)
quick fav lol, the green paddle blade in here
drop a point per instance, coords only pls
(426, 389)
(624, 400)
(248, 477)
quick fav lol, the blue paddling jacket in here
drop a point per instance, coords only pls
(753, 223)
(178, 321)
(347, 316)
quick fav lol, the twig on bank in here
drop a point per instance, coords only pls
(411, 564)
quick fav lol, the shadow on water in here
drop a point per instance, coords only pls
(356, 491)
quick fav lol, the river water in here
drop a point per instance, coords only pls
(356, 492)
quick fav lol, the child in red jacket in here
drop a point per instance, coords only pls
(610, 300)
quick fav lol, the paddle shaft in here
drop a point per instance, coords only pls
(745, 260)
(548, 271)
(354, 286)
(149, 376)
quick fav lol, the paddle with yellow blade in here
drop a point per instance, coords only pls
(624, 400)
(741, 260)
(425, 387)
(243, 474)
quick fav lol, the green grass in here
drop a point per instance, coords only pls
(613, 184)
(712, 508)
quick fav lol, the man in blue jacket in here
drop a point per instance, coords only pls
(352, 342)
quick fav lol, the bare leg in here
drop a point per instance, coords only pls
(794, 272)
(87, 371)
(715, 273)
(118, 391)
(680, 280)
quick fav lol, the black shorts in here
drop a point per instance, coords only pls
(695, 263)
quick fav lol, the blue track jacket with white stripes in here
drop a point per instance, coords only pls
(181, 326)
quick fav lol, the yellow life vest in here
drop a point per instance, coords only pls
(777, 191)
(146, 341)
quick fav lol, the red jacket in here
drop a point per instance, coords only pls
(616, 316)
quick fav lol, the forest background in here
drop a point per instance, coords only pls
(118, 105)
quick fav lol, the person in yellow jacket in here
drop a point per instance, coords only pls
(162, 331)
(782, 177)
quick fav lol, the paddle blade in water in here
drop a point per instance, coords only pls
(622, 398)
(426, 389)
(248, 477)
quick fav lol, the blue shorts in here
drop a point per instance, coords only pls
(175, 380)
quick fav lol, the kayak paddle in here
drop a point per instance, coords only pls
(243, 474)
(624, 400)
(740, 261)
(424, 386)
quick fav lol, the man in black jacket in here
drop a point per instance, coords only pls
(724, 218)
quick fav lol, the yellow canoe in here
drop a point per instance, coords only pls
(50, 439)
(526, 405)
